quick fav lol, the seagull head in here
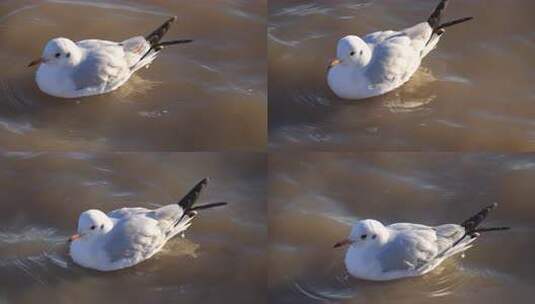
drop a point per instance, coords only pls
(351, 51)
(92, 224)
(365, 233)
(59, 52)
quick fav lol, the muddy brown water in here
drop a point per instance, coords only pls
(208, 95)
(474, 92)
(222, 256)
(273, 242)
(314, 199)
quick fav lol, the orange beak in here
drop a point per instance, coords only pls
(343, 243)
(333, 63)
(74, 237)
(36, 62)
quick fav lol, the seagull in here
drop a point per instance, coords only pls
(128, 236)
(381, 253)
(89, 67)
(383, 61)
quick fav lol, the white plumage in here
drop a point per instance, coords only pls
(128, 236)
(380, 253)
(383, 61)
(90, 67)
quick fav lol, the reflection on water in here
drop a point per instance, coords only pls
(478, 81)
(196, 97)
(414, 96)
(444, 281)
(315, 197)
(222, 255)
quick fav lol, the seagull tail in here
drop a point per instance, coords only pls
(471, 225)
(154, 39)
(189, 199)
(487, 229)
(208, 206)
(472, 230)
(452, 23)
(156, 35)
(435, 20)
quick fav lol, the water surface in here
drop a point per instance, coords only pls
(222, 256)
(475, 92)
(314, 199)
(206, 95)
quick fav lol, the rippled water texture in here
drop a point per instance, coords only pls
(314, 198)
(207, 95)
(475, 92)
(222, 256)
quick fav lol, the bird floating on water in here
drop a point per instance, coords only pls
(383, 61)
(381, 253)
(71, 69)
(128, 236)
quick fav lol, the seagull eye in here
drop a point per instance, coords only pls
(93, 227)
(68, 55)
(361, 52)
(374, 236)
(352, 53)
(102, 226)
(364, 236)
(57, 55)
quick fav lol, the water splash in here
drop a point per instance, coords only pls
(31, 234)
(34, 252)
(412, 96)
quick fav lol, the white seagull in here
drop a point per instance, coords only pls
(382, 253)
(383, 61)
(128, 236)
(71, 69)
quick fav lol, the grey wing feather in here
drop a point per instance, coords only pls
(398, 255)
(408, 250)
(132, 239)
(447, 235)
(93, 44)
(379, 37)
(119, 246)
(170, 213)
(88, 73)
(421, 31)
(409, 226)
(96, 70)
(416, 245)
(126, 212)
(390, 60)
(134, 49)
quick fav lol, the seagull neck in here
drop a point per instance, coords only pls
(383, 237)
(76, 56)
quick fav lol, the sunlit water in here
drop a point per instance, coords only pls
(475, 92)
(206, 95)
(222, 255)
(314, 199)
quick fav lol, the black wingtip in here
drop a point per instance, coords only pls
(487, 229)
(156, 35)
(454, 22)
(208, 206)
(435, 19)
(474, 221)
(189, 199)
(171, 42)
